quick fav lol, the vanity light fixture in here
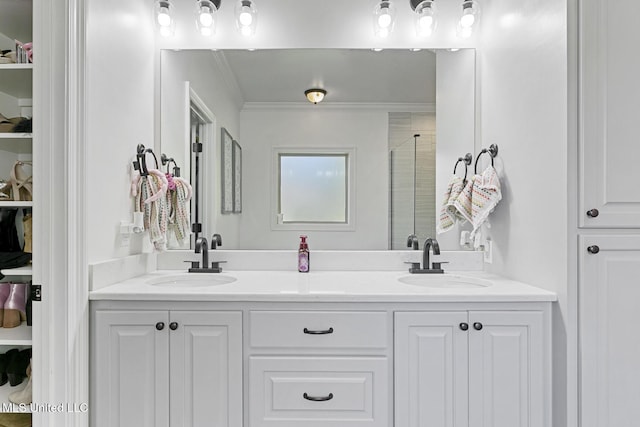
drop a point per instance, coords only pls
(425, 16)
(246, 17)
(206, 16)
(384, 15)
(315, 95)
(468, 19)
(163, 11)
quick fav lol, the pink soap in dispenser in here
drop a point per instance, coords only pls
(303, 255)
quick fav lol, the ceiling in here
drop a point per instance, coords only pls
(348, 75)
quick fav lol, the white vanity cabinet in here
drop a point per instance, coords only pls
(472, 368)
(319, 368)
(156, 368)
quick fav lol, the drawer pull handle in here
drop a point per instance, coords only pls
(310, 332)
(318, 399)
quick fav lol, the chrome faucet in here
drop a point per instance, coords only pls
(202, 246)
(429, 244)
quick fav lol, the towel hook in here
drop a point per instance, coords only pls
(167, 161)
(140, 164)
(467, 161)
(493, 152)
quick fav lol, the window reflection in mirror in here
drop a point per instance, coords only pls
(313, 188)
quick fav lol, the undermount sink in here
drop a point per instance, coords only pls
(192, 280)
(444, 281)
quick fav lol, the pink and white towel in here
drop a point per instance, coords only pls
(449, 214)
(486, 195)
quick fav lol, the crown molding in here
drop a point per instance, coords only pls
(227, 75)
(372, 106)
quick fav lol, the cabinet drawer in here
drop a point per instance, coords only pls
(339, 391)
(318, 329)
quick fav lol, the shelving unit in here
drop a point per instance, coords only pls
(16, 100)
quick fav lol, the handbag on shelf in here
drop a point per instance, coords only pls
(19, 187)
(8, 232)
(27, 226)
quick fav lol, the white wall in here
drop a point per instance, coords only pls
(455, 126)
(119, 115)
(203, 72)
(523, 92)
(315, 126)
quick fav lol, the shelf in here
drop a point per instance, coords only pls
(20, 335)
(9, 135)
(14, 204)
(20, 271)
(16, 66)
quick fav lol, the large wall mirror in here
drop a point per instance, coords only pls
(398, 118)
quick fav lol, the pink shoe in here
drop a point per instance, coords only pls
(5, 289)
(15, 306)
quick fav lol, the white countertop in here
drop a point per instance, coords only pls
(323, 286)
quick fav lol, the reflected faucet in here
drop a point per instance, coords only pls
(216, 240)
(413, 242)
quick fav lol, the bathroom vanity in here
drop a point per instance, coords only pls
(349, 348)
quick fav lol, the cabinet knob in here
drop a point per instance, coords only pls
(593, 249)
(477, 326)
(173, 326)
(318, 398)
(160, 326)
(592, 213)
(464, 326)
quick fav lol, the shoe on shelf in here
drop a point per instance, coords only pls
(23, 396)
(5, 290)
(5, 358)
(15, 306)
(17, 369)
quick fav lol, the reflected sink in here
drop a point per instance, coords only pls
(444, 281)
(192, 280)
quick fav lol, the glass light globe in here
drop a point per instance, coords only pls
(166, 31)
(468, 18)
(245, 18)
(384, 20)
(164, 19)
(205, 17)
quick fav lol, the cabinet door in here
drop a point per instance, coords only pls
(206, 369)
(507, 381)
(131, 369)
(609, 339)
(431, 369)
(609, 111)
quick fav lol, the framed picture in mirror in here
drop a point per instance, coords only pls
(227, 171)
(237, 177)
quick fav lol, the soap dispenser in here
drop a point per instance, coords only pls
(303, 255)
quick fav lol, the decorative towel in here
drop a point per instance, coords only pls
(449, 213)
(178, 201)
(463, 203)
(150, 199)
(485, 197)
